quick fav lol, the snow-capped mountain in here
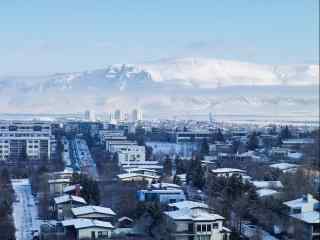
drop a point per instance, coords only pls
(193, 85)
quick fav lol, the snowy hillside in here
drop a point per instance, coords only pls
(193, 85)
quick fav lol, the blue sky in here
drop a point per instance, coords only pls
(71, 35)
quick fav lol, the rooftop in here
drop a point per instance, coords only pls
(308, 217)
(300, 202)
(227, 170)
(188, 204)
(188, 214)
(68, 198)
(79, 223)
(92, 209)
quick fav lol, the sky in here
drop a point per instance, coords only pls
(44, 36)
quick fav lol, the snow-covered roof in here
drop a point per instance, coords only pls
(68, 198)
(163, 191)
(139, 169)
(264, 192)
(188, 214)
(59, 180)
(132, 175)
(300, 202)
(298, 141)
(308, 217)
(227, 170)
(267, 184)
(71, 188)
(165, 185)
(79, 223)
(188, 204)
(92, 209)
(295, 155)
(284, 166)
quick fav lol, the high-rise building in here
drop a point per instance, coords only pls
(89, 115)
(117, 115)
(25, 141)
(137, 115)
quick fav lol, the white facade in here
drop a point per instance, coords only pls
(131, 153)
(136, 115)
(21, 139)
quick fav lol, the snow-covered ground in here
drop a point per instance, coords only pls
(25, 212)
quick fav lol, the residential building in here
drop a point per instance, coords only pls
(228, 172)
(62, 205)
(25, 140)
(163, 196)
(94, 212)
(304, 218)
(79, 229)
(195, 222)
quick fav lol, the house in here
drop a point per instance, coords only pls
(166, 186)
(163, 196)
(87, 229)
(228, 172)
(182, 177)
(62, 205)
(195, 223)
(57, 186)
(137, 177)
(150, 165)
(304, 218)
(144, 171)
(94, 212)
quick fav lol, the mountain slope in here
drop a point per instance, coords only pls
(193, 85)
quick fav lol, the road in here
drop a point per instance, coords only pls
(25, 212)
(82, 159)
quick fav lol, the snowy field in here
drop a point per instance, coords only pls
(25, 212)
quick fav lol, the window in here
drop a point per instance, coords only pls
(215, 225)
(198, 228)
(208, 228)
(203, 228)
(296, 210)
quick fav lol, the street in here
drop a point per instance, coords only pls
(25, 212)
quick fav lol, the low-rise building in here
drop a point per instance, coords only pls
(228, 172)
(62, 205)
(304, 218)
(57, 186)
(195, 223)
(163, 196)
(87, 229)
(94, 212)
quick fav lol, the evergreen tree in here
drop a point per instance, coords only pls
(285, 133)
(204, 150)
(219, 136)
(180, 168)
(253, 142)
(167, 166)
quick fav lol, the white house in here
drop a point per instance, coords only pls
(57, 186)
(304, 218)
(63, 204)
(228, 172)
(87, 229)
(195, 223)
(163, 196)
(94, 212)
